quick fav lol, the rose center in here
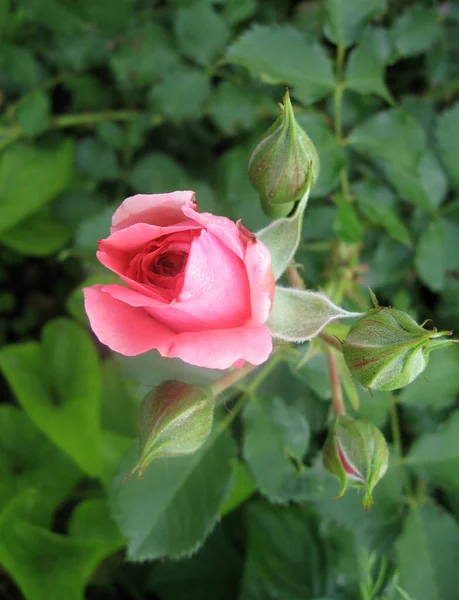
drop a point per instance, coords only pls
(169, 264)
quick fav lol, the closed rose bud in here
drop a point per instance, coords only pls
(356, 452)
(283, 164)
(175, 419)
(386, 349)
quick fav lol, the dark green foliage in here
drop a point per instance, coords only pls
(103, 99)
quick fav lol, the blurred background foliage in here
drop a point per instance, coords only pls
(103, 99)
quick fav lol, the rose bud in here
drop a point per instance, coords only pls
(175, 419)
(386, 349)
(356, 452)
(196, 286)
(283, 164)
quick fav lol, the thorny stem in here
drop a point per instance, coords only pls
(337, 394)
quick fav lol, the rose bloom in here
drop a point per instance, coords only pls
(198, 287)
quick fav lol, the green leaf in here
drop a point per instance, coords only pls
(347, 225)
(377, 203)
(39, 235)
(143, 56)
(33, 113)
(93, 229)
(231, 108)
(313, 373)
(21, 65)
(216, 566)
(175, 506)
(200, 32)
(416, 29)
(96, 161)
(58, 384)
(300, 315)
(119, 408)
(284, 560)
(332, 158)
(346, 19)
(439, 385)
(167, 94)
(242, 488)
(48, 566)
(28, 460)
(428, 554)
(157, 173)
(389, 265)
(436, 254)
(448, 140)
(30, 177)
(436, 455)
(150, 368)
(283, 236)
(377, 529)
(396, 143)
(239, 10)
(281, 54)
(276, 437)
(365, 69)
(111, 134)
(433, 178)
(240, 198)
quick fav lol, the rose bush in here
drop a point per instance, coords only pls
(198, 287)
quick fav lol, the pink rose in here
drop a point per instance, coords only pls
(199, 287)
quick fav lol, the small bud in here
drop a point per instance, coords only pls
(386, 349)
(356, 452)
(175, 419)
(283, 164)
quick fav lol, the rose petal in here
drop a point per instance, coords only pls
(131, 240)
(131, 297)
(221, 227)
(117, 251)
(215, 293)
(261, 280)
(221, 348)
(155, 209)
(124, 329)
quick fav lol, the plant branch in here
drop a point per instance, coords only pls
(337, 394)
(275, 359)
(231, 378)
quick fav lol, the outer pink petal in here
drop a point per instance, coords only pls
(131, 297)
(132, 239)
(124, 329)
(215, 293)
(220, 349)
(225, 229)
(261, 280)
(155, 209)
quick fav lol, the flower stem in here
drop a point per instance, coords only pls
(337, 394)
(248, 392)
(395, 426)
(232, 377)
